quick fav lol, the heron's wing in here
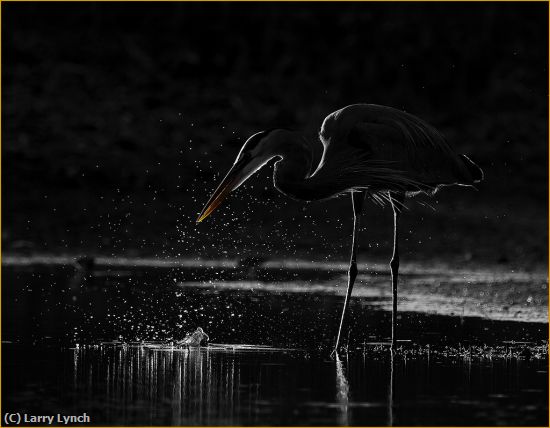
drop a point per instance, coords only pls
(347, 127)
(423, 156)
(406, 147)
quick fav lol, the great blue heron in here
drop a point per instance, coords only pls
(369, 150)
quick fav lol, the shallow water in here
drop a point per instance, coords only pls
(450, 370)
(122, 385)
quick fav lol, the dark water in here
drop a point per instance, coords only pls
(449, 370)
(140, 385)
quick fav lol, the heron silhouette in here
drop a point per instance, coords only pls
(369, 151)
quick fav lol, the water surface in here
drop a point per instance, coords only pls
(100, 343)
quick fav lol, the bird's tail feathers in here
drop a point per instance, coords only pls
(475, 171)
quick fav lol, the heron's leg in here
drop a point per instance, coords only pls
(396, 203)
(357, 199)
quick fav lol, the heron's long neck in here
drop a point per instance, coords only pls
(292, 174)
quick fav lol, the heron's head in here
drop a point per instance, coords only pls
(255, 153)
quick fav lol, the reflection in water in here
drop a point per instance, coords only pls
(500, 382)
(391, 395)
(342, 392)
(184, 386)
(120, 384)
(210, 386)
(343, 395)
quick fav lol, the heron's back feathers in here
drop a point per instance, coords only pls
(383, 148)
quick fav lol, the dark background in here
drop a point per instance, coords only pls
(120, 118)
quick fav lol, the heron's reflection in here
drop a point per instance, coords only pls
(157, 384)
(343, 395)
(391, 394)
(342, 392)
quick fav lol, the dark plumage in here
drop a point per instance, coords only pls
(369, 150)
(382, 149)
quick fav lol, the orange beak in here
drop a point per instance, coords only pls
(231, 181)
